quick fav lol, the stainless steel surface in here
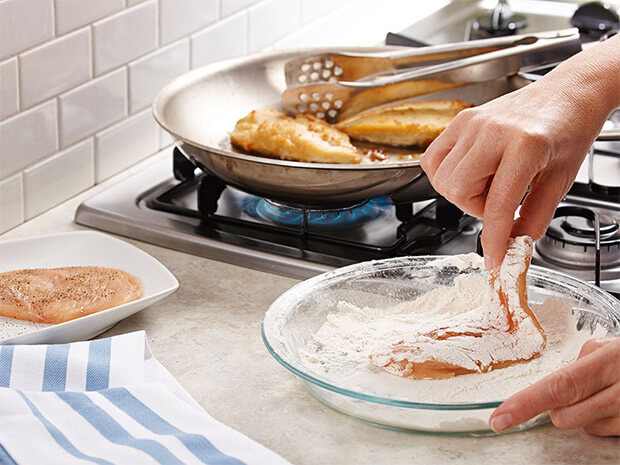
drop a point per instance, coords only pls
(450, 23)
(374, 90)
(466, 70)
(201, 107)
(524, 52)
(330, 67)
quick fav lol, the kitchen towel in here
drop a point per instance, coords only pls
(108, 401)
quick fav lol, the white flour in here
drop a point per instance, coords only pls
(341, 347)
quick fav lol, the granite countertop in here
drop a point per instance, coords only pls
(208, 335)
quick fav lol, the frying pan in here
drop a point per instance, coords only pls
(201, 107)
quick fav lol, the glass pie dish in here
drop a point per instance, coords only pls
(292, 320)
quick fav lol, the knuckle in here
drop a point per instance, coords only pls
(495, 209)
(561, 420)
(536, 140)
(454, 191)
(465, 115)
(564, 389)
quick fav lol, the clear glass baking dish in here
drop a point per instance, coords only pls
(291, 320)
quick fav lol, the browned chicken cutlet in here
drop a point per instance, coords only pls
(56, 295)
(304, 138)
(410, 123)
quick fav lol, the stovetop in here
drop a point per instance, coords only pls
(155, 207)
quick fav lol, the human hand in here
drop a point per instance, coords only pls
(535, 137)
(584, 394)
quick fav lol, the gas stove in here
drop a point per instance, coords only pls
(176, 205)
(197, 213)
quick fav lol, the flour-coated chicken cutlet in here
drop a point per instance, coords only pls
(56, 295)
(409, 123)
(500, 333)
(304, 138)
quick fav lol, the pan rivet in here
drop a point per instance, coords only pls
(305, 67)
(325, 105)
(316, 65)
(329, 96)
(326, 73)
(314, 107)
(337, 70)
(316, 96)
(304, 97)
(302, 78)
(333, 79)
(329, 64)
(332, 113)
(320, 115)
(314, 75)
(338, 103)
(301, 108)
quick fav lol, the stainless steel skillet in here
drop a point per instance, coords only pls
(200, 109)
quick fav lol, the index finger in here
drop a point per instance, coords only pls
(507, 189)
(566, 386)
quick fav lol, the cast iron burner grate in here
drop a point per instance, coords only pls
(378, 228)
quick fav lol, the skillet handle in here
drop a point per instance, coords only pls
(418, 189)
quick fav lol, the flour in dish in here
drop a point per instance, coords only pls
(341, 347)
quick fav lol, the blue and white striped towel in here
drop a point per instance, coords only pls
(104, 402)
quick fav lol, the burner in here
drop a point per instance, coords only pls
(316, 219)
(582, 227)
(571, 240)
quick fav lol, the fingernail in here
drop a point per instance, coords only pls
(488, 263)
(501, 422)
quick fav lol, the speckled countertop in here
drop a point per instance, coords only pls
(208, 335)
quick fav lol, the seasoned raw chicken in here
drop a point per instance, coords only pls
(410, 123)
(304, 138)
(56, 295)
(502, 332)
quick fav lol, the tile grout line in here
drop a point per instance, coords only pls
(158, 23)
(54, 19)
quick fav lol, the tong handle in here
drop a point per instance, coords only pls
(466, 48)
(513, 54)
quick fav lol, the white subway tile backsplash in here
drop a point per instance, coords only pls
(9, 98)
(52, 68)
(58, 178)
(178, 18)
(71, 14)
(11, 202)
(92, 106)
(232, 6)
(125, 144)
(79, 76)
(147, 75)
(313, 9)
(124, 36)
(27, 137)
(24, 23)
(270, 20)
(226, 39)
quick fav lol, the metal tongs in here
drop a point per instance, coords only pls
(356, 82)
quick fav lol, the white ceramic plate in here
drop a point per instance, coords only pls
(81, 248)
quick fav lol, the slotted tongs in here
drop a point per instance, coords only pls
(405, 74)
